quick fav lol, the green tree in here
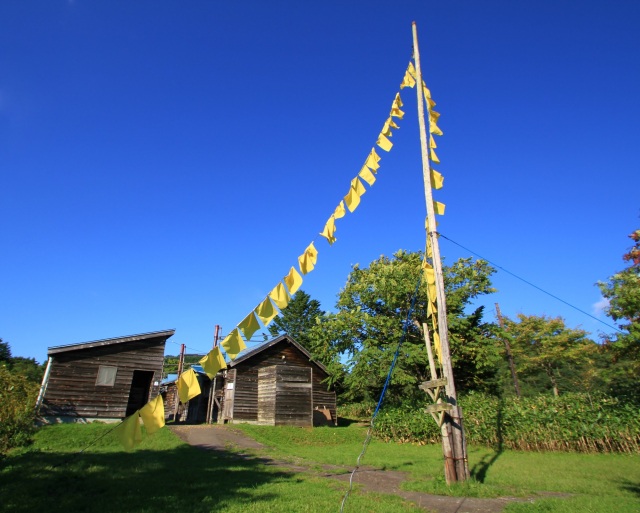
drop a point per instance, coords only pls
(17, 413)
(5, 352)
(549, 356)
(370, 321)
(623, 292)
(27, 367)
(298, 318)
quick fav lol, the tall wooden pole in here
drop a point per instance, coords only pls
(459, 447)
(507, 348)
(212, 391)
(180, 365)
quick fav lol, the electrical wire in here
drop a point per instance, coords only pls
(530, 284)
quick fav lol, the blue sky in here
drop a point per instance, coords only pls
(163, 164)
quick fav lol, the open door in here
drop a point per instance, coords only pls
(140, 388)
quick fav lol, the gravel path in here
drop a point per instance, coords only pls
(223, 438)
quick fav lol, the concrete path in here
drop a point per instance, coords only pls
(225, 438)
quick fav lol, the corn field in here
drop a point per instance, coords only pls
(572, 422)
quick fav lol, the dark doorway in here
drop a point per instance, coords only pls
(140, 387)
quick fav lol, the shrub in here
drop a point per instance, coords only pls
(17, 416)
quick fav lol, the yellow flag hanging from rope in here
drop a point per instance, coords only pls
(437, 180)
(352, 200)
(129, 432)
(412, 70)
(366, 174)
(234, 344)
(434, 157)
(279, 296)
(152, 414)
(249, 325)
(339, 212)
(293, 280)
(386, 128)
(395, 112)
(307, 261)
(373, 160)
(357, 186)
(266, 312)
(213, 362)
(439, 208)
(437, 345)
(188, 386)
(329, 230)
(384, 142)
(409, 79)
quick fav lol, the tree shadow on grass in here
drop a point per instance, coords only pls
(180, 479)
(631, 486)
(480, 469)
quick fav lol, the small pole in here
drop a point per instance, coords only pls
(455, 428)
(180, 365)
(427, 342)
(43, 386)
(212, 392)
(507, 348)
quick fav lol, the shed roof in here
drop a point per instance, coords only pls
(250, 353)
(165, 334)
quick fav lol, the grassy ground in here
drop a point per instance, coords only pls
(162, 474)
(595, 482)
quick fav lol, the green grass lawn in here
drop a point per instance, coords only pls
(162, 474)
(165, 474)
(595, 482)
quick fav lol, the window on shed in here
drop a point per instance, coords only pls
(106, 376)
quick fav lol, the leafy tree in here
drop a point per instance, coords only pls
(171, 363)
(17, 413)
(298, 318)
(623, 292)
(370, 321)
(5, 351)
(550, 356)
(27, 367)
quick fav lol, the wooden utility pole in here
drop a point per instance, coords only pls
(212, 391)
(507, 349)
(180, 365)
(456, 465)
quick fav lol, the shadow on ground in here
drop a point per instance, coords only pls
(182, 479)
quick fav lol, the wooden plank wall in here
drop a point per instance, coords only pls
(245, 408)
(72, 389)
(293, 396)
(267, 395)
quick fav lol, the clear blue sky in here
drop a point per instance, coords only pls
(163, 164)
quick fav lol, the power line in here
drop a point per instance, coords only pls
(531, 284)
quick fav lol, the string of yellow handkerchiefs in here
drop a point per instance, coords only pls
(152, 414)
(437, 181)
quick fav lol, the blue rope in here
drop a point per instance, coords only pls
(382, 394)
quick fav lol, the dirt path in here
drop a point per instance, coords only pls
(223, 438)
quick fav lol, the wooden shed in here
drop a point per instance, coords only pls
(104, 379)
(197, 409)
(277, 383)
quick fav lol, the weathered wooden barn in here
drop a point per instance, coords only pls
(104, 379)
(277, 383)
